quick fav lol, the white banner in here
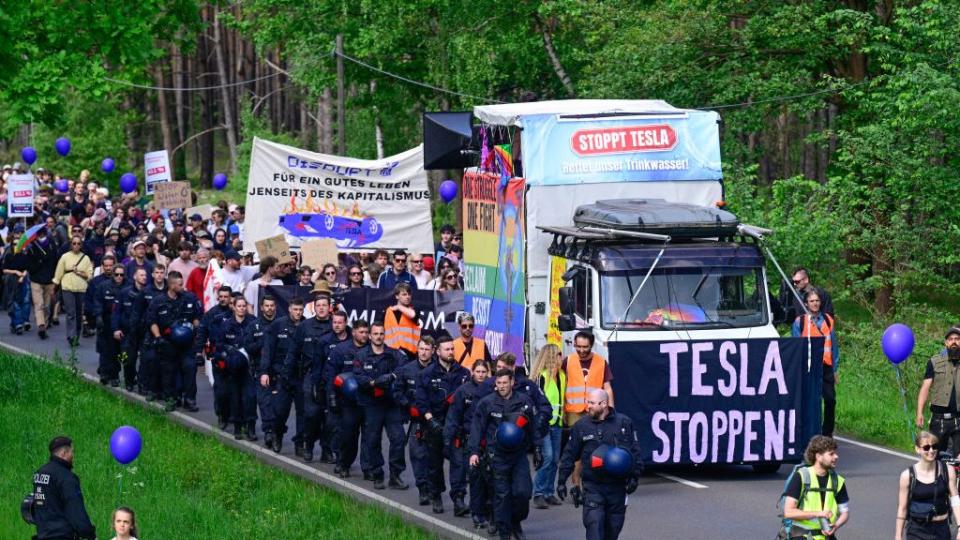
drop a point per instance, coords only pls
(20, 194)
(361, 204)
(156, 167)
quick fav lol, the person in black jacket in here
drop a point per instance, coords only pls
(104, 303)
(265, 379)
(604, 491)
(126, 324)
(405, 396)
(43, 255)
(58, 508)
(456, 433)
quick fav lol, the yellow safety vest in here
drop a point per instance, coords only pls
(810, 500)
(555, 395)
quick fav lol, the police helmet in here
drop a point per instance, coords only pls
(612, 460)
(182, 333)
(509, 435)
(346, 384)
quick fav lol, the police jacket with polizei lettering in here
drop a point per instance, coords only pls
(211, 319)
(369, 366)
(521, 383)
(143, 302)
(165, 311)
(494, 409)
(341, 360)
(587, 434)
(328, 344)
(435, 388)
(307, 351)
(126, 317)
(405, 387)
(460, 415)
(277, 345)
(253, 342)
(230, 331)
(104, 302)
(58, 508)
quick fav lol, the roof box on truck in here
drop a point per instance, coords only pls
(657, 216)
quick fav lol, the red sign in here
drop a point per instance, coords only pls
(622, 140)
(156, 170)
(23, 194)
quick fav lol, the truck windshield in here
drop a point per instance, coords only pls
(683, 298)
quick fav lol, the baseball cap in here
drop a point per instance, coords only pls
(955, 329)
(232, 255)
(196, 217)
(139, 243)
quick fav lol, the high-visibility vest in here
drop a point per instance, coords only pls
(400, 335)
(575, 398)
(468, 358)
(555, 394)
(810, 500)
(825, 330)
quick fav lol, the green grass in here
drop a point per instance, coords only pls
(183, 485)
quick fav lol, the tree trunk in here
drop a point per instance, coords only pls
(326, 118)
(554, 58)
(166, 129)
(207, 101)
(219, 46)
(377, 127)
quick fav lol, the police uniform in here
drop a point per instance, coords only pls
(104, 302)
(88, 302)
(254, 342)
(306, 356)
(604, 495)
(330, 433)
(149, 371)
(175, 360)
(375, 374)
(58, 508)
(126, 319)
(342, 360)
(405, 396)
(238, 383)
(512, 485)
(435, 388)
(207, 340)
(521, 383)
(289, 382)
(456, 434)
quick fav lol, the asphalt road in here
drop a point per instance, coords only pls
(729, 502)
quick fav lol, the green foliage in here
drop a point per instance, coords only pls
(183, 485)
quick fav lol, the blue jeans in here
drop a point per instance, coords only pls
(20, 304)
(545, 481)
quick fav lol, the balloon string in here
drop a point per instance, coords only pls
(119, 489)
(903, 400)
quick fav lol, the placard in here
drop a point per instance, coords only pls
(275, 246)
(156, 166)
(20, 194)
(172, 195)
(319, 251)
(205, 211)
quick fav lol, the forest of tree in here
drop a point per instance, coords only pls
(839, 117)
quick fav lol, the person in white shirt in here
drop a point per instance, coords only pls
(269, 269)
(233, 274)
(124, 523)
(416, 268)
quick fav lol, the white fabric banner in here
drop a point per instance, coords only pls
(361, 204)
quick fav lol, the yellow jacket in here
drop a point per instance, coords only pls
(66, 277)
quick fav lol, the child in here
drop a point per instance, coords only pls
(124, 524)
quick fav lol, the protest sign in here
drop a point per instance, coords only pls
(172, 195)
(20, 194)
(205, 210)
(317, 252)
(156, 166)
(275, 246)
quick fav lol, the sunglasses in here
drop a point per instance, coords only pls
(466, 326)
(797, 281)
(400, 260)
(356, 273)
(329, 273)
(928, 447)
(76, 244)
(118, 274)
(450, 276)
(416, 261)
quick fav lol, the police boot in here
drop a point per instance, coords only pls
(518, 532)
(222, 423)
(424, 498)
(492, 529)
(298, 449)
(378, 482)
(277, 443)
(342, 472)
(368, 476)
(170, 405)
(190, 405)
(396, 483)
(251, 431)
(460, 508)
(238, 432)
(268, 439)
(437, 504)
(326, 456)
(308, 453)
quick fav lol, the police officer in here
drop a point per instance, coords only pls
(435, 388)
(604, 491)
(305, 358)
(149, 373)
(512, 485)
(375, 372)
(265, 378)
(104, 302)
(173, 307)
(229, 335)
(207, 341)
(126, 324)
(456, 433)
(289, 389)
(107, 263)
(330, 435)
(405, 396)
(340, 364)
(58, 508)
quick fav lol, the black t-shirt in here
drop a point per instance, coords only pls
(952, 407)
(793, 490)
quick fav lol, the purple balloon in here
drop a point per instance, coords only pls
(125, 444)
(128, 182)
(448, 191)
(63, 146)
(107, 165)
(897, 342)
(28, 154)
(219, 180)
(61, 185)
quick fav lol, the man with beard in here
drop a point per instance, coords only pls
(940, 384)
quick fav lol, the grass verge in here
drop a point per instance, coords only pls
(183, 485)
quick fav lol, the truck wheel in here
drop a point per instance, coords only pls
(766, 468)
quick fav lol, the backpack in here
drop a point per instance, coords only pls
(924, 510)
(786, 525)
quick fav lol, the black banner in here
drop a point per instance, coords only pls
(722, 401)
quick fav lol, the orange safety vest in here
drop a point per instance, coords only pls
(468, 358)
(400, 335)
(575, 398)
(808, 328)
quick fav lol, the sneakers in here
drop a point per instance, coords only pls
(396, 483)
(26, 327)
(552, 500)
(540, 503)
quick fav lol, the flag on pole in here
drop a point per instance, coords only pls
(211, 283)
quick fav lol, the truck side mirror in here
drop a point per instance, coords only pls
(566, 323)
(567, 303)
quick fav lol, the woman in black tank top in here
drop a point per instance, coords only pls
(928, 494)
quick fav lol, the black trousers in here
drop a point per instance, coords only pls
(947, 430)
(178, 372)
(376, 419)
(829, 401)
(289, 393)
(108, 368)
(351, 418)
(419, 455)
(512, 489)
(604, 510)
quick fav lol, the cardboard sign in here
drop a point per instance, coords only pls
(275, 246)
(319, 251)
(172, 195)
(205, 210)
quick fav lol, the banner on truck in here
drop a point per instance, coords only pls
(721, 401)
(495, 267)
(365, 204)
(560, 151)
(20, 192)
(156, 167)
